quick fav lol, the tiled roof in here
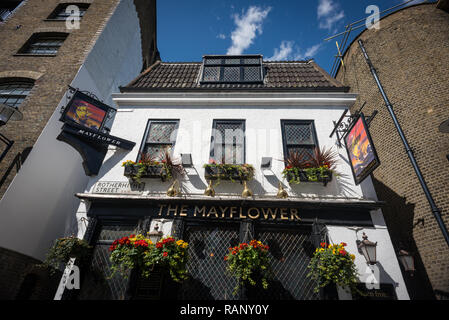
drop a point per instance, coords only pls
(291, 75)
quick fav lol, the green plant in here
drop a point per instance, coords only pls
(172, 166)
(169, 254)
(138, 252)
(65, 248)
(320, 165)
(227, 171)
(127, 253)
(245, 260)
(333, 264)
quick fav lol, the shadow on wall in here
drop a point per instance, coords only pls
(399, 217)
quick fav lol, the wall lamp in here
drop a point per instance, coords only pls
(368, 249)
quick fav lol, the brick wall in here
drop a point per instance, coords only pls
(410, 53)
(52, 74)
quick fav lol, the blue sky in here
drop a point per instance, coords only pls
(277, 29)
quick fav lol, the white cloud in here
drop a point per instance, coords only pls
(289, 51)
(329, 13)
(221, 36)
(248, 25)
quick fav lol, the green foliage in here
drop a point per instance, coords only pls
(246, 260)
(333, 264)
(293, 174)
(65, 248)
(226, 171)
(138, 252)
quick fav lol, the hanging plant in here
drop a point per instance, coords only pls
(333, 264)
(127, 253)
(170, 254)
(138, 252)
(65, 248)
(247, 260)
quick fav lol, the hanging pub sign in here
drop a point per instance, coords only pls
(84, 120)
(361, 152)
(85, 111)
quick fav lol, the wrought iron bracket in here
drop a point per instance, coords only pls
(344, 124)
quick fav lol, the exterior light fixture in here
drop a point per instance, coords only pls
(282, 194)
(246, 191)
(408, 262)
(172, 191)
(9, 113)
(156, 234)
(210, 190)
(368, 249)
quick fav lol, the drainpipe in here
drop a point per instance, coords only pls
(436, 212)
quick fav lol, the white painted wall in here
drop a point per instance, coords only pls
(263, 138)
(39, 205)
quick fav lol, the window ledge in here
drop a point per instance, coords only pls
(33, 55)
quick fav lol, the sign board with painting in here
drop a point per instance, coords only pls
(361, 152)
(85, 111)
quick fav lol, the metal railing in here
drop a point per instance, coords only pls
(17, 162)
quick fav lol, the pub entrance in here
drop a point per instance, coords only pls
(291, 248)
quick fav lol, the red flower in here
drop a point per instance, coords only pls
(165, 253)
(344, 244)
(226, 258)
(323, 244)
(159, 245)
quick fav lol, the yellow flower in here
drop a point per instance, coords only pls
(179, 242)
(352, 257)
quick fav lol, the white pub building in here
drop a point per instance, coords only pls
(246, 113)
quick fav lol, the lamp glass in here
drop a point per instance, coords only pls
(408, 262)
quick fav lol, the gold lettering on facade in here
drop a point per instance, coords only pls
(161, 206)
(294, 214)
(232, 211)
(284, 214)
(197, 210)
(213, 211)
(270, 211)
(223, 211)
(183, 212)
(241, 214)
(170, 209)
(253, 216)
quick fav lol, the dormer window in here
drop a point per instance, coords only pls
(232, 69)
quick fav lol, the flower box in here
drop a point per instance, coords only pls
(243, 172)
(152, 171)
(309, 175)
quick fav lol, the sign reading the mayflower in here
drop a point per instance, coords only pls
(118, 187)
(84, 129)
(226, 212)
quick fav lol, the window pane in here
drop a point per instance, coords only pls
(251, 73)
(298, 133)
(305, 153)
(211, 74)
(161, 132)
(231, 74)
(230, 132)
(156, 151)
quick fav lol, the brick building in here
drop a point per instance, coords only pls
(409, 52)
(42, 52)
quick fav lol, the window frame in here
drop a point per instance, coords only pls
(147, 131)
(11, 80)
(35, 37)
(61, 7)
(223, 65)
(300, 145)
(214, 130)
(9, 11)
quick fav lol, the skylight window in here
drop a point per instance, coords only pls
(232, 69)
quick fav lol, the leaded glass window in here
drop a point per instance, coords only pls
(14, 91)
(232, 69)
(44, 43)
(160, 136)
(64, 11)
(299, 136)
(228, 141)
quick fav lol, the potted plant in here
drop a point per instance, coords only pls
(225, 171)
(318, 168)
(332, 264)
(168, 254)
(65, 248)
(149, 167)
(139, 253)
(247, 262)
